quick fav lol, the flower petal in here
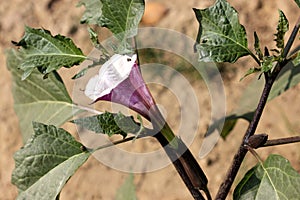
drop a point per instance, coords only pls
(112, 73)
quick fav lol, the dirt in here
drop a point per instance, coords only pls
(97, 181)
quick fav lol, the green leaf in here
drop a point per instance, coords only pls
(268, 63)
(120, 17)
(127, 190)
(93, 11)
(221, 37)
(41, 50)
(298, 3)
(109, 123)
(38, 99)
(257, 46)
(102, 59)
(46, 162)
(288, 78)
(282, 28)
(273, 179)
(93, 37)
(251, 71)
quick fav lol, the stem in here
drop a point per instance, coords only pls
(240, 155)
(186, 165)
(254, 57)
(242, 151)
(291, 38)
(182, 159)
(281, 141)
(113, 143)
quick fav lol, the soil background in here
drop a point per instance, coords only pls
(96, 181)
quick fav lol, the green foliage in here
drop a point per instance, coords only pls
(37, 99)
(273, 179)
(298, 3)
(109, 123)
(221, 37)
(257, 46)
(103, 58)
(127, 190)
(120, 17)
(41, 50)
(267, 64)
(282, 28)
(93, 11)
(287, 79)
(46, 162)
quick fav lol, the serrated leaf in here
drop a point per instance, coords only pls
(93, 11)
(282, 28)
(48, 53)
(38, 99)
(46, 162)
(298, 3)
(288, 78)
(120, 17)
(104, 56)
(257, 46)
(251, 71)
(273, 179)
(268, 63)
(109, 123)
(93, 36)
(221, 37)
(127, 190)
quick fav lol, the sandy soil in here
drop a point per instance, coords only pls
(96, 181)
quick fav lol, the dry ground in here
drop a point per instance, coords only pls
(96, 181)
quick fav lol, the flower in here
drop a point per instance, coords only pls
(120, 81)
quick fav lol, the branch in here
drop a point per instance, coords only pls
(242, 151)
(187, 167)
(281, 141)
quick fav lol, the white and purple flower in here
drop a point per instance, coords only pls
(120, 81)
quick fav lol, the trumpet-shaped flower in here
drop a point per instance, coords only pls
(119, 80)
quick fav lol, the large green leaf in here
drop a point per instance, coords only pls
(46, 162)
(127, 190)
(288, 78)
(48, 53)
(37, 99)
(109, 123)
(273, 179)
(120, 17)
(221, 37)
